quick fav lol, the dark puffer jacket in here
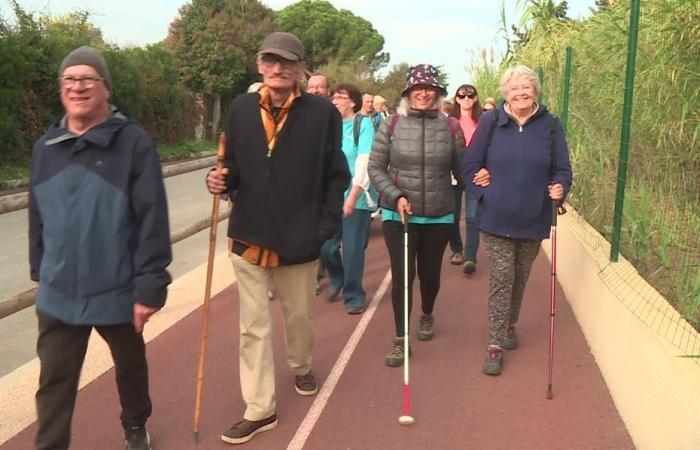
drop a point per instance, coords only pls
(414, 160)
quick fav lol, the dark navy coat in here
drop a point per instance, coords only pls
(98, 223)
(516, 204)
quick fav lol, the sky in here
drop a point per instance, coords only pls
(446, 33)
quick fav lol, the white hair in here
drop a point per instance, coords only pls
(520, 72)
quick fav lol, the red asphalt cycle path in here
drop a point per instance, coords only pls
(454, 404)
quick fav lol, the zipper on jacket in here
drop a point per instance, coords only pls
(423, 163)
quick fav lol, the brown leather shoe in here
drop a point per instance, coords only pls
(245, 430)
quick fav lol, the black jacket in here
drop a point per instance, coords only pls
(291, 199)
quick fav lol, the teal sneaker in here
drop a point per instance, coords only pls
(511, 340)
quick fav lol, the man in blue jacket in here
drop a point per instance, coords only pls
(99, 245)
(287, 175)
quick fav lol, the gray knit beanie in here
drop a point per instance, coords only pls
(87, 56)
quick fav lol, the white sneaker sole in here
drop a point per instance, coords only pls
(244, 439)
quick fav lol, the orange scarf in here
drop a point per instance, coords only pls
(256, 254)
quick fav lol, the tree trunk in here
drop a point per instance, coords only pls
(216, 113)
(200, 111)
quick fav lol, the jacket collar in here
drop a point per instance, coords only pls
(100, 135)
(430, 113)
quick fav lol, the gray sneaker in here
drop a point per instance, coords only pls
(245, 430)
(396, 356)
(426, 327)
(494, 361)
(305, 384)
(511, 340)
(138, 439)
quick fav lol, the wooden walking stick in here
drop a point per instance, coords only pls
(207, 290)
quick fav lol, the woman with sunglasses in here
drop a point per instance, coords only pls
(466, 110)
(412, 157)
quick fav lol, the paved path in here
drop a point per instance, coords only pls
(454, 404)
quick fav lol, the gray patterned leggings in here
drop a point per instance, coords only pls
(511, 260)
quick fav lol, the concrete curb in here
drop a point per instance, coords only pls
(656, 392)
(185, 294)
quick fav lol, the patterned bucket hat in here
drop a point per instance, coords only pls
(422, 75)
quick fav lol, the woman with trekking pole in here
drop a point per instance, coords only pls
(413, 154)
(524, 149)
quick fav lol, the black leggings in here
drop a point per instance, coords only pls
(426, 246)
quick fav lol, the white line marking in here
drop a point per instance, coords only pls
(307, 425)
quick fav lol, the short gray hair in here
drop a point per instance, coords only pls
(520, 72)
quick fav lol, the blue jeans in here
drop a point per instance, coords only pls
(346, 272)
(472, 233)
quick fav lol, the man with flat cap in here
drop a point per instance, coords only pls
(286, 174)
(99, 245)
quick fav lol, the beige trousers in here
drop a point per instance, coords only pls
(295, 288)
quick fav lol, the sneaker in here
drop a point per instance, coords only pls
(469, 267)
(245, 430)
(305, 384)
(138, 439)
(457, 258)
(426, 330)
(318, 287)
(494, 361)
(356, 310)
(395, 357)
(333, 294)
(271, 295)
(511, 340)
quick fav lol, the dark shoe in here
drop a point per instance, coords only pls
(494, 361)
(457, 258)
(426, 328)
(305, 384)
(333, 294)
(396, 356)
(245, 430)
(138, 439)
(511, 340)
(356, 310)
(469, 267)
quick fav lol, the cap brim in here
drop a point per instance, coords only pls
(280, 52)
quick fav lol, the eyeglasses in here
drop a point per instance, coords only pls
(69, 81)
(270, 59)
(461, 96)
(340, 97)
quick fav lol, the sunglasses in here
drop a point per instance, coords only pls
(461, 96)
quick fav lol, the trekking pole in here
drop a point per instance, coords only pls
(406, 418)
(207, 290)
(552, 297)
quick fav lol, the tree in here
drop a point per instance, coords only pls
(331, 34)
(215, 42)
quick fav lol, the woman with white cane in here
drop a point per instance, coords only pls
(412, 157)
(524, 149)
